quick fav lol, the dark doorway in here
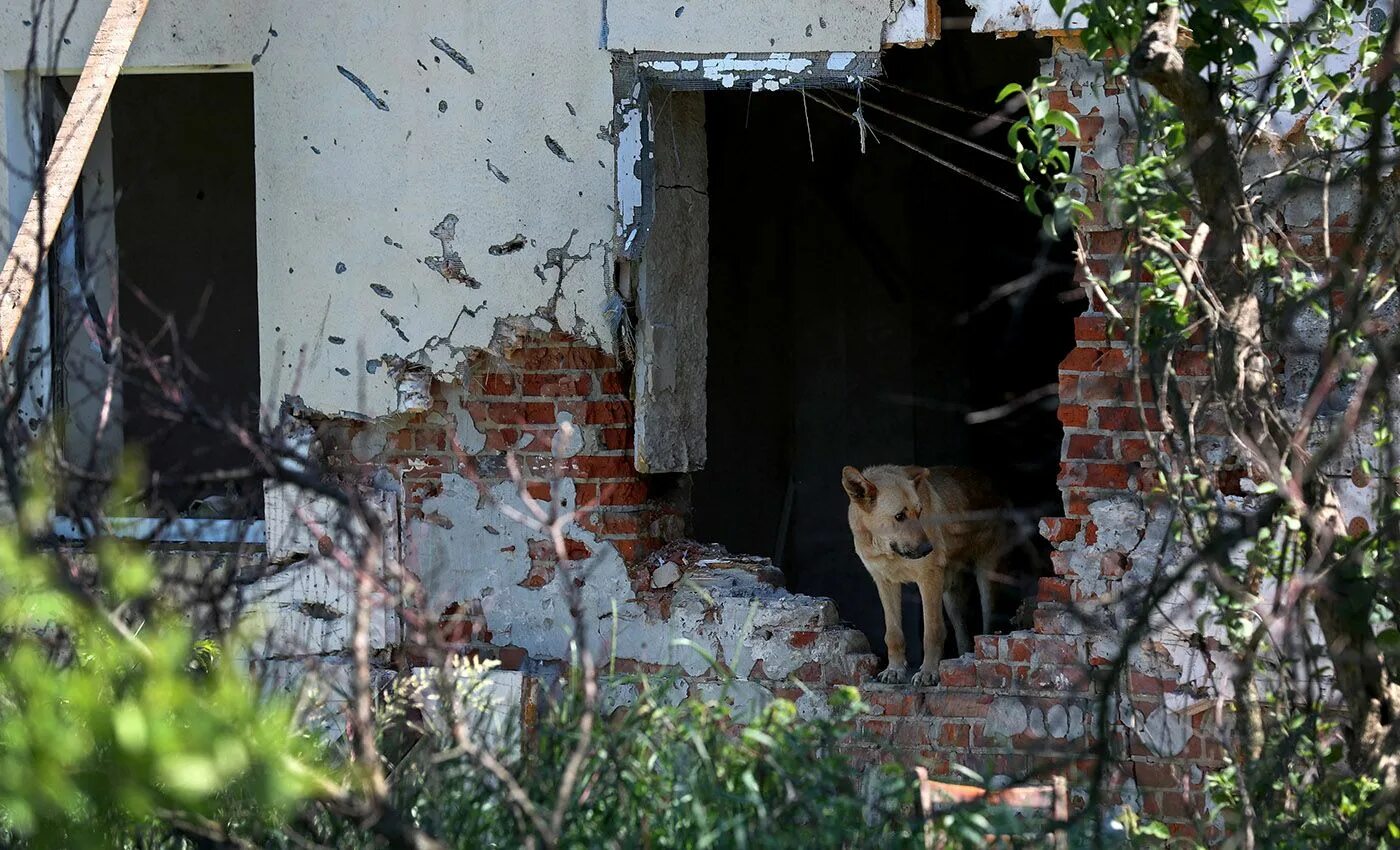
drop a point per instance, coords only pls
(166, 217)
(872, 308)
(182, 150)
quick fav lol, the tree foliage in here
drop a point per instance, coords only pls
(1243, 111)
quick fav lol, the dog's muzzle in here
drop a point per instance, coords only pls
(913, 554)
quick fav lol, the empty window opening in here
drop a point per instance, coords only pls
(876, 307)
(159, 250)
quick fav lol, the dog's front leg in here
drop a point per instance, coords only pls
(931, 592)
(898, 668)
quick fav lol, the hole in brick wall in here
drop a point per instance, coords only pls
(854, 319)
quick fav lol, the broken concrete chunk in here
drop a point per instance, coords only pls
(665, 575)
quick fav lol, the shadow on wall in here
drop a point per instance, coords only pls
(871, 308)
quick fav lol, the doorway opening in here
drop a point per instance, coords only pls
(875, 306)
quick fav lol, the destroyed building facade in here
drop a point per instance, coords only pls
(460, 233)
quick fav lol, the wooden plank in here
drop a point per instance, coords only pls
(65, 164)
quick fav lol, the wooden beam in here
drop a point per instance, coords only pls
(65, 164)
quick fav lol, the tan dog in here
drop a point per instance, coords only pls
(928, 527)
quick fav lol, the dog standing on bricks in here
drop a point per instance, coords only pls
(930, 527)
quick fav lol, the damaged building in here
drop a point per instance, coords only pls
(678, 264)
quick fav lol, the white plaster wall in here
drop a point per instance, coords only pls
(398, 173)
(745, 26)
(342, 181)
(463, 552)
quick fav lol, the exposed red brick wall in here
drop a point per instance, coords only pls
(1024, 703)
(516, 401)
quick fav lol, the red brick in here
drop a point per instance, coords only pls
(630, 550)
(1194, 363)
(955, 735)
(1107, 476)
(607, 413)
(957, 673)
(797, 640)
(586, 496)
(1059, 529)
(1134, 449)
(623, 493)
(1091, 328)
(1059, 99)
(1019, 648)
(1113, 388)
(555, 357)
(611, 466)
(501, 439)
(612, 522)
(429, 441)
(1053, 621)
(566, 385)
(512, 657)
(1089, 128)
(1128, 419)
(1053, 590)
(1084, 360)
(993, 675)
(1157, 775)
(492, 383)
(478, 412)
(615, 439)
(892, 702)
(521, 412)
(1073, 415)
(1058, 677)
(1106, 242)
(1097, 446)
(911, 733)
(612, 383)
(541, 359)
(1143, 683)
(944, 703)
(1050, 650)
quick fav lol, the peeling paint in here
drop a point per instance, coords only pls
(725, 610)
(1019, 16)
(839, 61)
(449, 263)
(628, 122)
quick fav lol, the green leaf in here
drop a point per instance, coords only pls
(1008, 90)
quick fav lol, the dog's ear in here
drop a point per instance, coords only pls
(858, 487)
(917, 474)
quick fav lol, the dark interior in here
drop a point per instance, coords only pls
(870, 308)
(187, 268)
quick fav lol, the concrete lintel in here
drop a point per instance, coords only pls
(756, 71)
